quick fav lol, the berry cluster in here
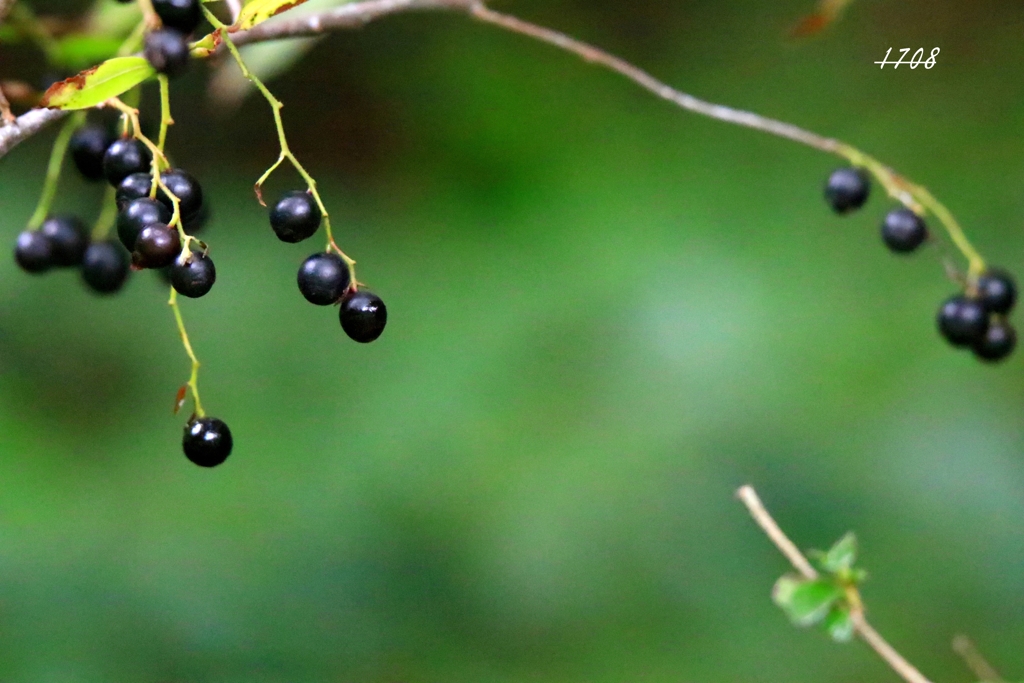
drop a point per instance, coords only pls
(160, 208)
(977, 317)
(325, 278)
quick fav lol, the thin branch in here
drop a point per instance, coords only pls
(748, 496)
(359, 14)
(27, 125)
(963, 646)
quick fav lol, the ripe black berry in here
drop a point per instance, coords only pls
(137, 215)
(295, 217)
(998, 342)
(903, 231)
(323, 279)
(88, 145)
(997, 291)
(962, 320)
(207, 441)
(195, 278)
(134, 186)
(33, 252)
(105, 267)
(182, 15)
(68, 239)
(167, 50)
(363, 316)
(847, 189)
(156, 247)
(185, 188)
(124, 157)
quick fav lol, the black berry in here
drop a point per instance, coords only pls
(998, 343)
(997, 291)
(194, 224)
(124, 157)
(847, 189)
(363, 316)
(156, 247)
(33, 252)
(134, 186)
(105, 267)
(207, 441)
(903, 231)
(323, 279)
(185, 188)
(88, 145)
(195, 278)
(68, 239)
(295, 217)
(167, 50)
(136, 216)
(182, 15)
(962, 320)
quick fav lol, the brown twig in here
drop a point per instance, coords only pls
(907, 671)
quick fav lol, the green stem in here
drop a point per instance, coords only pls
(108, 215)
(193, 381)
(53, 170)
(286, 153)
(919, 200)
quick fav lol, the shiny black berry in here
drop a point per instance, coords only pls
(167, 51)
(88, 145)
(847, 189)
(124, 157)
(33, 252)
(962, 320)
(136, 216)
(182, 15)
(998, 343)
(195, 278)
(903, 231)
(156, 247)
(295, 217)
(134, 186)
(363, 316)
(323, 279)
(997, 291)
(68, 239)
(185, 188)
(207, 441)
(105, 267)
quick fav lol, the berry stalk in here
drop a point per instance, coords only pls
(53, 170)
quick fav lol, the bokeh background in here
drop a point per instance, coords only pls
(605, 315)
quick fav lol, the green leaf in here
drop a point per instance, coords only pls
(806, 602)
(258, 11)
(839, 624)
(97, 85)
(841, 556)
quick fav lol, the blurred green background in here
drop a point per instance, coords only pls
(605, 315)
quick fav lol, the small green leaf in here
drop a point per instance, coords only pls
(97, 85)
(841, 556)
(805, 602)
(839, 624)
(258, 11)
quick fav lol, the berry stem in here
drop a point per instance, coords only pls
(919, 200)
(149, 15)
(133, 43)
(193, 380)
(53, 170)
(108, 215)
(286, 153)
